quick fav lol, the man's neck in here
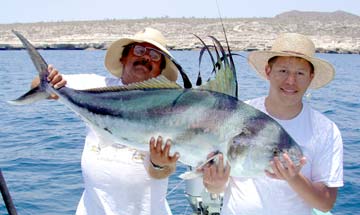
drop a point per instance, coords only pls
(282, 111)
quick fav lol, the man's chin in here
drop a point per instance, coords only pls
(139, 69)
(140, 76)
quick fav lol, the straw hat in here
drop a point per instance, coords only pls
(148, 35)
(294, 45)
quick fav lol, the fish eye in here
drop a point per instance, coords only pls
(276, 152)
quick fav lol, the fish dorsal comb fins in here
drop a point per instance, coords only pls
(222, 83)
(160, 82)
(225, 79)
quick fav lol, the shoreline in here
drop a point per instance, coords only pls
(102, 46)
(335, 32)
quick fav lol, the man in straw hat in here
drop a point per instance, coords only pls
(291, 68)
(120, 180)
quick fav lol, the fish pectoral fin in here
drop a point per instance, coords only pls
(210, 160)
(196, 173)
(33, 95)
(190, 175)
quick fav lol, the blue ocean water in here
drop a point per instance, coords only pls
(41, 144)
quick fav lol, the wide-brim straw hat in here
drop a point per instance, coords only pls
(148, 35)
(294, 45)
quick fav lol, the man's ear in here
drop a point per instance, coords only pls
(122, 60)
(312, 75)
(267, 71)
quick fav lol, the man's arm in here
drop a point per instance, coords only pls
(162, 165)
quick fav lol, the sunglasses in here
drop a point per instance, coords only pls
(139, 50)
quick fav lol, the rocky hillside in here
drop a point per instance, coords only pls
(336, 32)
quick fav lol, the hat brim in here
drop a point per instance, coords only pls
(114, 53)
(323, 70)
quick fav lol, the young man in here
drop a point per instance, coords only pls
(117, 179)
(291, 68)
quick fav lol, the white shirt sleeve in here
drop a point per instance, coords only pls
(328, 163)
(84, 81)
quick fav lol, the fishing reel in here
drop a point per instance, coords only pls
(202, 202)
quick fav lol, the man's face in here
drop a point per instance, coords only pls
(289, 79)
(138, 68)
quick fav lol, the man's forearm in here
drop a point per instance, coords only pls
(318, 195)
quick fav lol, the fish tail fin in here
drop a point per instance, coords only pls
(39, 62)
(37, 93)
(33, 95)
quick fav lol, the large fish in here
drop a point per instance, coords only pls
(209, 118)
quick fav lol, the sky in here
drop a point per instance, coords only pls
(27, 11)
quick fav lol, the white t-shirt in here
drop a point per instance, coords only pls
(321, 143)
(115, 179)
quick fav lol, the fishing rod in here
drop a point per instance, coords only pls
(6, 196)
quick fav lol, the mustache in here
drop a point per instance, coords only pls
(143, 62)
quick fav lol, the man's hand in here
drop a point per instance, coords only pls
(285, 172)
(215, 176)
(162, 164)
(55, 78)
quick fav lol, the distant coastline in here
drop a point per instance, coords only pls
(335, 32)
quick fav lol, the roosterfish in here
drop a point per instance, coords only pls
(199, 120)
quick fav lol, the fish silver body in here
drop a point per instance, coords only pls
(197, 121)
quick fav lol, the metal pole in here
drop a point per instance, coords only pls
(6, 196)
